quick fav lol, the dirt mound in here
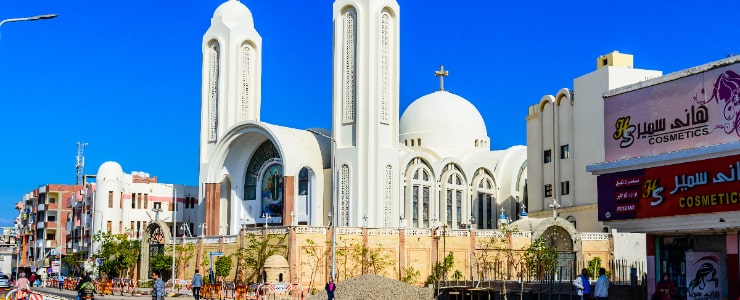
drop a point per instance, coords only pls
(376, 287)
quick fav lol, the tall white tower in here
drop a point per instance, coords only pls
(366, 112)
(231, 75)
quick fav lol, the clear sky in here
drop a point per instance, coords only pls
(124, 76)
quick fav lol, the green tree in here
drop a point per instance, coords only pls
(161, 262)
(118, 253)
(184, 254)
(410, 275)
(315, 255)
(441, 269)
(258, 248)
(223, 266)
(540, 259)
(72, 261)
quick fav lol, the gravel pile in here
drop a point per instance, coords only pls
(376, 287)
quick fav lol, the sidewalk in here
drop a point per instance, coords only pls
(67, 294)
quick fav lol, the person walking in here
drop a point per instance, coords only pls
(60, 280)
(158, 291)
(196, 284)
(601, 291)
(23, 286)
(330, 287)
(665, 288)
(583, 285)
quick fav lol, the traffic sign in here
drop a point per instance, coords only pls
(213, 253)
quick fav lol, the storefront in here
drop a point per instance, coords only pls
(672, 170)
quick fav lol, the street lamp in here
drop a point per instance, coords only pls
(333, 207)
(174, 233)
(33, 18)
(267, 218)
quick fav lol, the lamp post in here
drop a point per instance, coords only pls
(32, 18)
(333, 208)
(174, 233)
(267, 218)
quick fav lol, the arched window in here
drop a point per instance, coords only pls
(265, 152)
(484, 204)
(420, 192)
(454, 193)
(349, 65)
(213, 85)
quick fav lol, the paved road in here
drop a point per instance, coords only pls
(67, 294)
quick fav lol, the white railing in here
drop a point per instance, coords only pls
(594, 236)
(349, 230)
(418, 232)
(383, 231)
(306, 229)
(212, 240)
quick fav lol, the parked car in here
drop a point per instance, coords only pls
(4, 282)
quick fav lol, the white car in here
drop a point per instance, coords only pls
(4, 282)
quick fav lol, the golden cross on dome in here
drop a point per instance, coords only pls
(442, 73)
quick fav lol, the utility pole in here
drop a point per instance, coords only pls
(80, 164)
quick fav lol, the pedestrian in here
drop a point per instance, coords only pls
(60, 279)
(158, 292)
(601, 291)
(330, 287)
(583, 285)
(665, 288)
(23, 286)
(196, 284)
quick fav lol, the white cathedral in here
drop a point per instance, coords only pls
(431, 167)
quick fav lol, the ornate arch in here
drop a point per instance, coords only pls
(157, 232)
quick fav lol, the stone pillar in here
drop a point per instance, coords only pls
(211, 209)
(288, 200)
(401, 251)
(473, 260)
(293, 255)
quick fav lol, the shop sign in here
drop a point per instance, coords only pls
(689, 112)
(702, 276)
(705, 186)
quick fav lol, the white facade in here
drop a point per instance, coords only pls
(577, 128)
(128, 202)
(383, 170)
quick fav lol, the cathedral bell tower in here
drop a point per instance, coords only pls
(365, 116)
(230, 92)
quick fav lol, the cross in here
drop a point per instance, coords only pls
(554, 205)
(442, 73)
(502, 210)
(523, 207)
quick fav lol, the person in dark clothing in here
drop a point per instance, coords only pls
(85, 288)
(330, 287)
(665, 288)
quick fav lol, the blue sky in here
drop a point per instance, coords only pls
(124, 76)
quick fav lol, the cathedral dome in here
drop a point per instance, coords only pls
(233, 10)
(442, 120)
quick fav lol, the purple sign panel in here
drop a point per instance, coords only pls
(694, 111)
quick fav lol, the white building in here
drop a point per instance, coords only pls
(562, 133)
(429, 167)
(130, 202)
